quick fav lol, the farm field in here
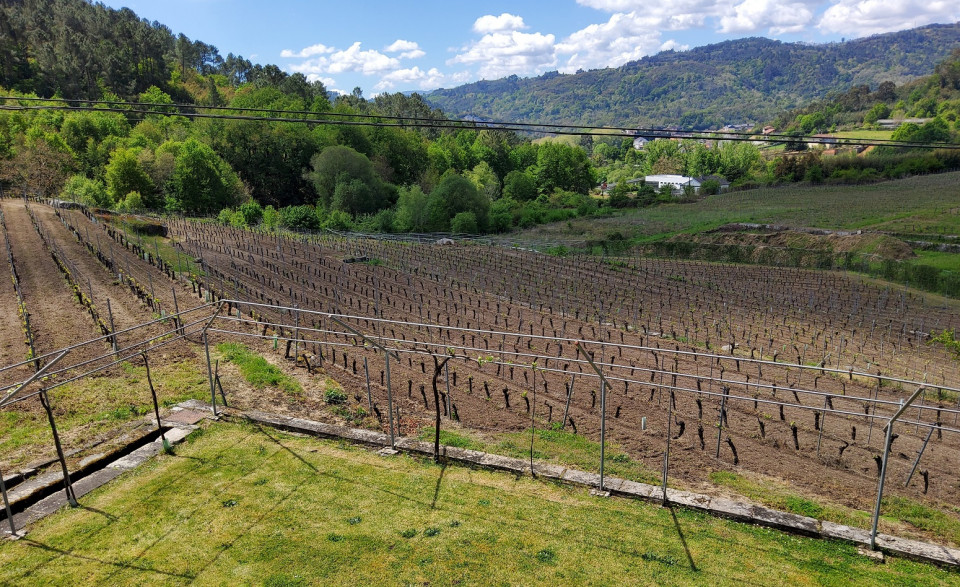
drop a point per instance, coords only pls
(771, 384)
(240, 504)
(648, 314)
(930, 209)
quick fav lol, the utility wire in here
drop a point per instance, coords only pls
(372, 120)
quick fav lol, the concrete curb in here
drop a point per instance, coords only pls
(93, 480)
(724, 508)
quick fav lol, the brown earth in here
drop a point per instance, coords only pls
(643, 311)
(879, 245)
(476, 289)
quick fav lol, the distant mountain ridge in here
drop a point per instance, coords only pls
(743, 81)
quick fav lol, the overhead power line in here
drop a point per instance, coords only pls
(377, 120)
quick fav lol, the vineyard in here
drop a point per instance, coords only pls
(783, 375)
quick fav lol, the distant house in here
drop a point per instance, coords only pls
(677, 183)
(893, 123)
(640, 142)
(722, 181)
(822, 142)
(769, 130)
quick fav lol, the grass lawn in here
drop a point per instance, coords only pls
(918, 205)
(90, 407)
(243, 505)
(948, 261)
(873, 135)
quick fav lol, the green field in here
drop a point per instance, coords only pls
(873, 135)
(919, 205)
(238, 504)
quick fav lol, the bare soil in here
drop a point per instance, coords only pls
(807, 315)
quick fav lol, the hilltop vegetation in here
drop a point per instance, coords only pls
(935, 98)
(742, 81)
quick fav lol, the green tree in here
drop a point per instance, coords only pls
(124, 174)
(201, 182)
(485, 180)
(564, 167)
(271, 218)
(133, 202)
(455, 194)
(340, 164)
(520, 186)
(89, 192)
(412, 210)
(738, 159)
(464, 223)
(879, 110)
(299, 218)
(252, 213)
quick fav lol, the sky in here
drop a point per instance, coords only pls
(397, 45)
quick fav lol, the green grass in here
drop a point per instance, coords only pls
(94, 406)
(552, 446)
(894, 509)
(947, 261)
(781, 498)
(873, 135)
(448, 438)
(256, 370)
(241, 505)
(916, 205)
(921, 516)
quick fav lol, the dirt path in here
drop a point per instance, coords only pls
(57, 318)
(13, 345)
(96, 279)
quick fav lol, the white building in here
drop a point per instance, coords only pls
(678, 183)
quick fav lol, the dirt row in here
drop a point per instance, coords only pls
(765, 440)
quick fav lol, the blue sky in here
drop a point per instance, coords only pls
(389, 46)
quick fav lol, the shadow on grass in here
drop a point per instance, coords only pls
(106, 515)
(436, 490)
(683, 539)
(119, 565)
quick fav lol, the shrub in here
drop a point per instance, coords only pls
(299, 218)
(464, 223)
(334, 397)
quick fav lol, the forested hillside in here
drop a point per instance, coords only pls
(742, 81)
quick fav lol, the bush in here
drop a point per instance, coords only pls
(464, 223)
(338, 220)
(90, 192)
(225, 216)
(252, 213)
(270, 218)
(711, 187)
(299, 218)
(133, 202)
(335, 397)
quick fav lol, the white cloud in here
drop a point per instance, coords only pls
(623, 38)
(407, 49)
(431, 78)
(496, 24)
(355, 59)
(613, 5)
(671, 15)
(401, 45)
(502, 54)
(310, 51)
(672, 45)
(777, 16)
(868, 17)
